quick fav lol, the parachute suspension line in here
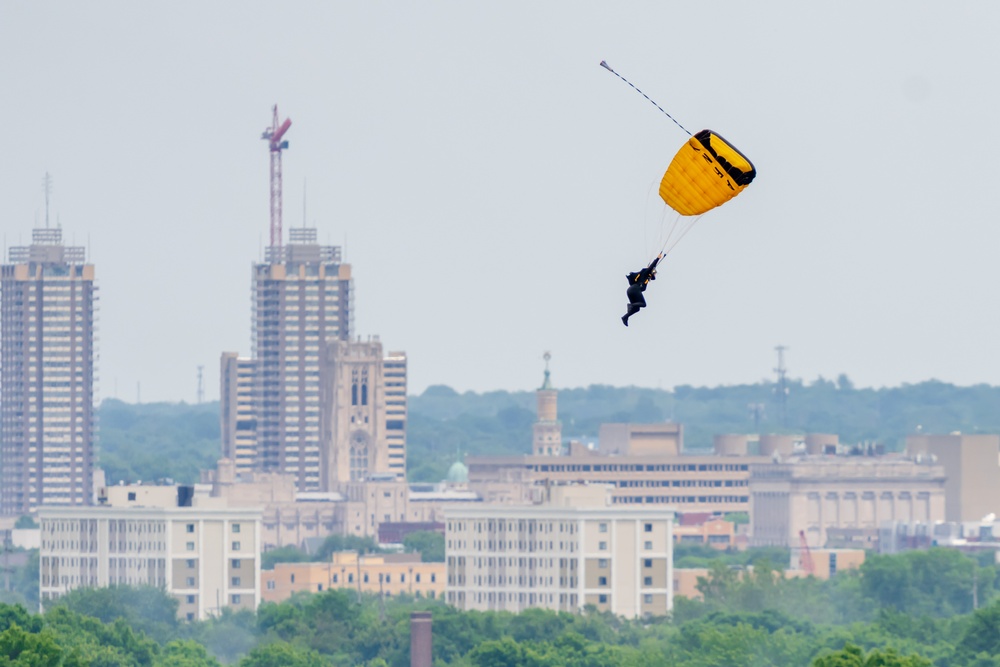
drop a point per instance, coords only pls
(607, 67)
(670, 234)
(683, 233)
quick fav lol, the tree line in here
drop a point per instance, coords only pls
(910, 610)
(155, 441)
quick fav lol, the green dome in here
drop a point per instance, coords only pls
(458, 473)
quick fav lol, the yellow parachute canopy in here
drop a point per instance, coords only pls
(706, 172)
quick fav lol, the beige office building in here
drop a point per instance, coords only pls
(972, 464)
(206, 557)
(822, 495)
(389, 575)
(574, 550)
(644, 463)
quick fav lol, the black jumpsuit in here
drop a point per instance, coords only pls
(637, 282)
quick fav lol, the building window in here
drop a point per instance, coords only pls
(191, 563)
(366, 577)
(131, 495)
(236, 563)
(235, 598)
(190, 616)
(602, 546)
(293, 578)
(648, 546)
(190, 546)
(647, 581)
(190, 599)
(236, 527)
(602, 563)
(350, 578)
(602, 581)
(270, 585)
(189, 581)
(402, 578)
(335, 578)
(649, 528)
(189, 528)
(603, 527)
(236, 546)
(647, 598)
(235, 582)
(603, 599)
(433, 578)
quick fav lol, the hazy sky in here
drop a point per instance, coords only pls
(493, 184)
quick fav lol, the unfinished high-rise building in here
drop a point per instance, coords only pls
(302, 297)
(47, 428)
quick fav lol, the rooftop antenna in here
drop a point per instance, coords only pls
(47, 186)
(781, 388)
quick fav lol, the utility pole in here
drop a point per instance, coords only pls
(781, 388)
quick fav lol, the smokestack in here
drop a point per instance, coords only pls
(420, 639)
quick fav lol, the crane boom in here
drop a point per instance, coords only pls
(274, 136)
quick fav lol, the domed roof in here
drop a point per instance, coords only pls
(458, 473)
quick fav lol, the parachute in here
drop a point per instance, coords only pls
(707, 172)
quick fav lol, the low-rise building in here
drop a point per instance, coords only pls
(380, 574)
(573, 550)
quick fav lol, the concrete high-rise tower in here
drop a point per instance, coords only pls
(303, 297)
(547, 431)
(47, 430)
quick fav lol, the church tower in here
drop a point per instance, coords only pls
(547, 430)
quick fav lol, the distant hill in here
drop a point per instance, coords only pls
(149, 441)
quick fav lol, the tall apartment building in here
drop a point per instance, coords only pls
(237, 413)
(205, 557)
(303, 297)
(363, 413)
(47, 428)
(573, 550)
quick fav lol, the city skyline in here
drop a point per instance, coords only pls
(463, 155)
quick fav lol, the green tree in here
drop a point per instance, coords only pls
(428, 543)
(185, 653)
(282, 654)
(854, 656)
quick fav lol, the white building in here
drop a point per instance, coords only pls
(574, 549)
(206, 557)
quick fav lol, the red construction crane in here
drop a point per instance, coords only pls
(805, 557)
(274, 136)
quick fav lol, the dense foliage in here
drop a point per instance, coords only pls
(910, 610)
(151, 441)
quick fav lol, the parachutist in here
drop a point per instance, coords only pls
(637, 282)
